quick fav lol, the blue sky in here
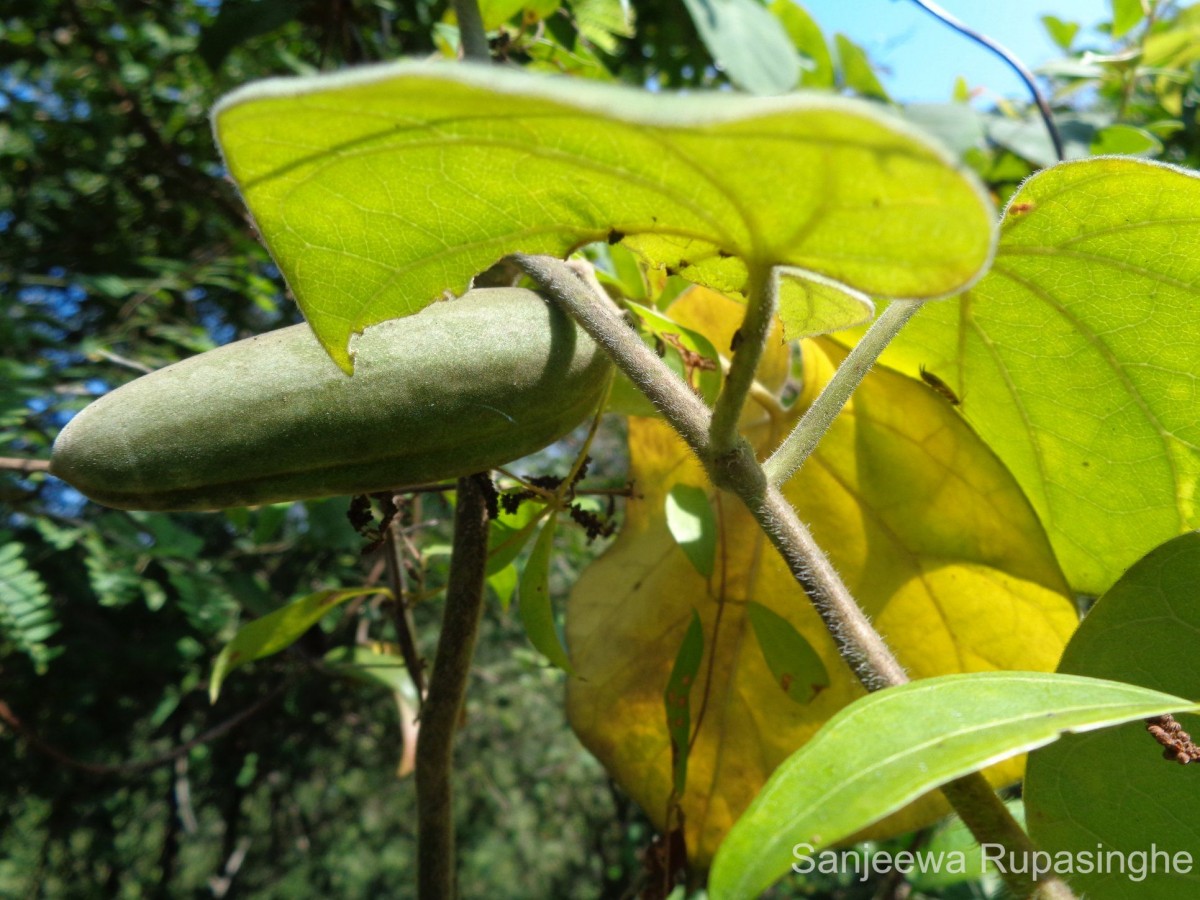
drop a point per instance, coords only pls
(924, 57)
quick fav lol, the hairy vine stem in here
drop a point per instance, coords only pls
(791, 454)
(471, 34)
(860, 645)
(447, 687)
(750, 341)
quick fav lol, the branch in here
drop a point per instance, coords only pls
(16, 464)
(393, 554)
(447, 687)
(1014, 63)
(678, 404)
(990, 822)
(795, 449)
(471, 34)
(128, 768)
(860, 645)
(751, 338)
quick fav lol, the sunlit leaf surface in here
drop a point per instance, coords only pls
(1077, 358)
(922, 521)
(379, 190)
(895, 745)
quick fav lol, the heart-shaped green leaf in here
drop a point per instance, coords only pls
(1113, 788)
(1076, 358)
(890, 747)
(379, 190)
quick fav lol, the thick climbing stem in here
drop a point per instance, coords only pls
(686, 412)
(471, 34)
(795, 449)
(751, 339)
(863, 648)
(447, 687)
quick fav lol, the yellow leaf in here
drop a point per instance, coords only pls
(928, 529)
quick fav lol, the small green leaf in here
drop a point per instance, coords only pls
(1126, 16)
(619, 267)
(508, 534)
(806, 36)
(370, 666)
(533, 599)
(692, 523)
(708, 380)
(815, 305)
(1061, 32)
(797, 668)
(276, 631)
(857, 73)
(603, 22)
(888, 748)
(1125, 140)
(677, 699)
(1113, 787)
(504, 583)
(748, 43)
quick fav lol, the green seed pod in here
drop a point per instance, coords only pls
(461, 387)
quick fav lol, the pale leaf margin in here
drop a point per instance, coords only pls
(718, 114)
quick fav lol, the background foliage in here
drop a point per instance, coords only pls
(122, 249)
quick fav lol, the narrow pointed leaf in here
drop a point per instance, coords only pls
(372, 665)
(677, 699)
(890, 747)
(707, 379)
(857, 72)
(797, 667)
(381, 189)
(533, 599)
(1126, 16)
(276, 631)
(504, 583)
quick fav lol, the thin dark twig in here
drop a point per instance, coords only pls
(127, 768)
(1014, 63)
(18, 464)
(402, 609)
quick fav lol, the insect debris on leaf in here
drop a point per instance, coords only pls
(940, 386)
